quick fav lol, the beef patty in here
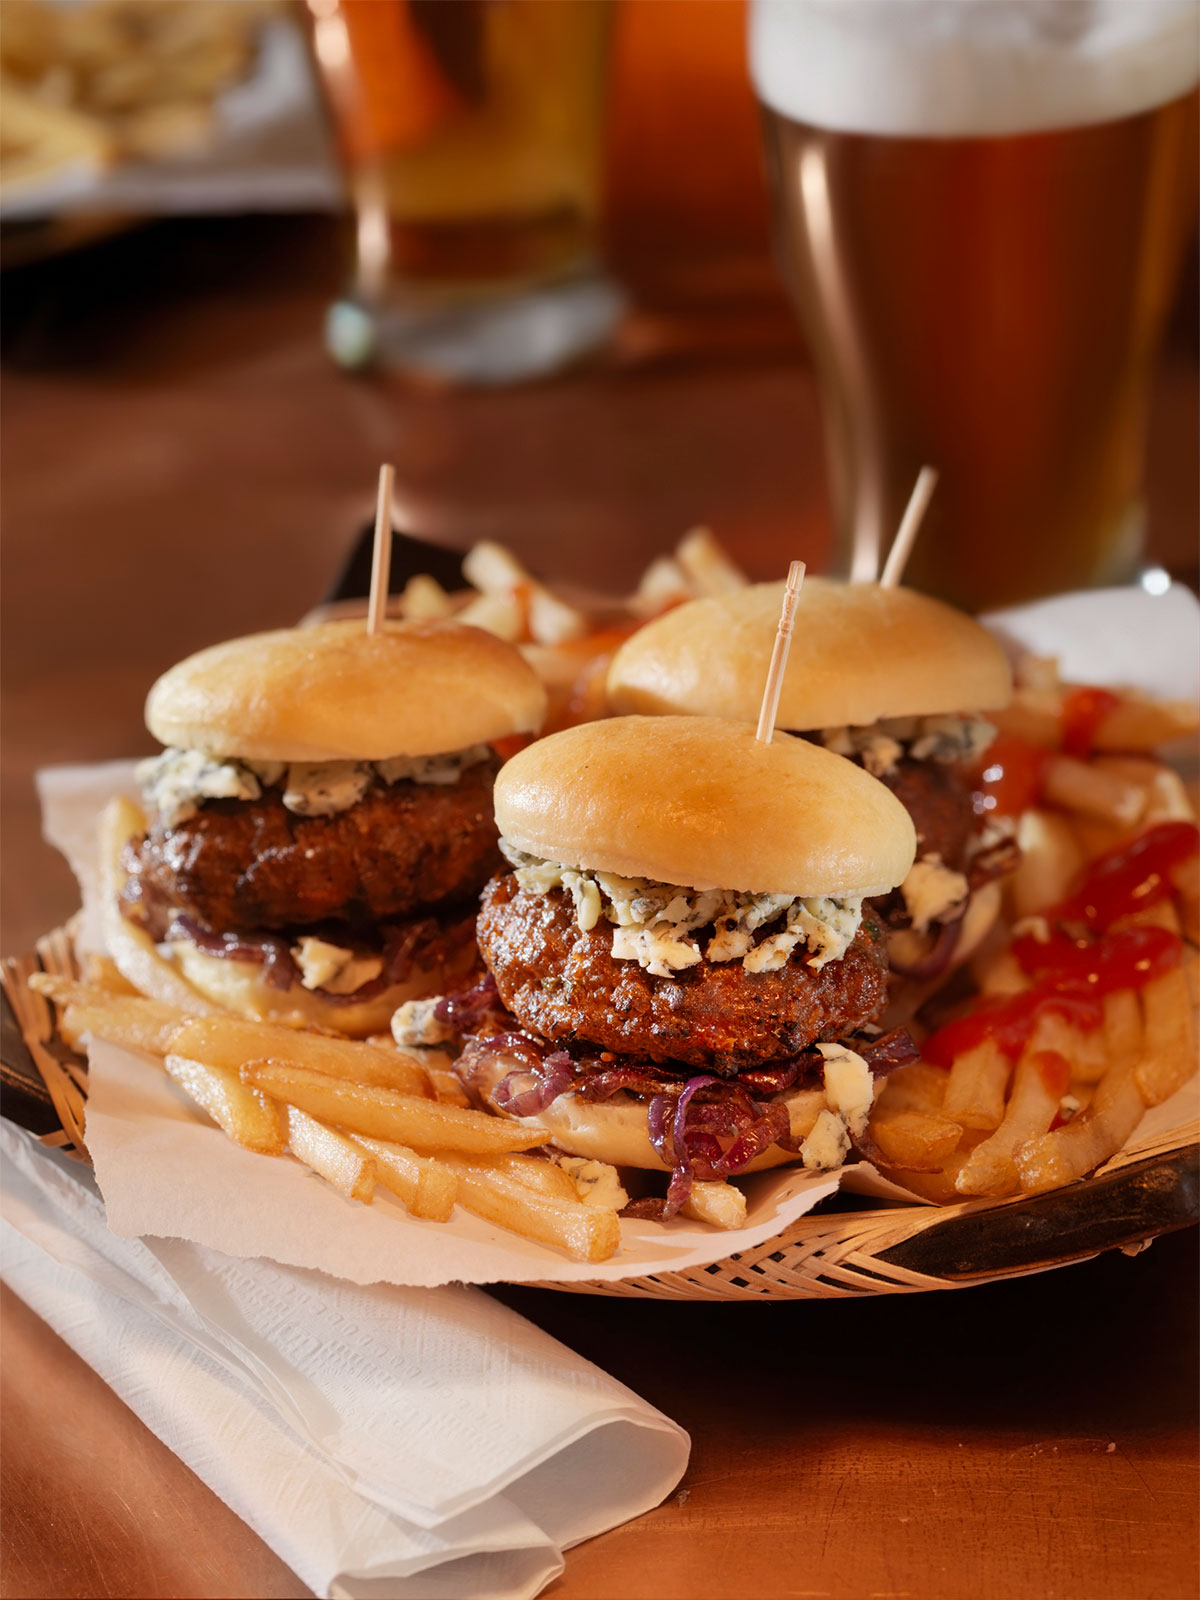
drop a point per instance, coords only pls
(564, 984)
(245, 864)
(939, 802)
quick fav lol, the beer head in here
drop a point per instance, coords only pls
(962, 68)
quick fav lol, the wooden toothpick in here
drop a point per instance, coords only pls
(381, 560)
(779, 655)
(910, 523)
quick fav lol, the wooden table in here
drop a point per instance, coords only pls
(181, 464)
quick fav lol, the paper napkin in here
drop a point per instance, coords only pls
(382, 1441)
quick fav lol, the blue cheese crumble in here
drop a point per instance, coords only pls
(655, 924)
(178, 782)
(880, 745)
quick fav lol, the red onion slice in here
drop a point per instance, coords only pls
(528, 1092)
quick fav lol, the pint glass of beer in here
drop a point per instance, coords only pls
(980, 209)
(470, 133)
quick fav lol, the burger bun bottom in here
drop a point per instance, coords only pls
(238, 986)
(615, 1130)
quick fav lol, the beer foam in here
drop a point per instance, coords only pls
(958, 68)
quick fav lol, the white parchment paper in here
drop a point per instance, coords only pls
(165, 1171)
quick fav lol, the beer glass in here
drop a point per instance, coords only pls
(470, 133)
(980, 210)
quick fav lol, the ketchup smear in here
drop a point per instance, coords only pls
(1010, 776)
(1083, 712)
(1131, 877)
(1073, 974)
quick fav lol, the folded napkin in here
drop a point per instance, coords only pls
(383, 1441)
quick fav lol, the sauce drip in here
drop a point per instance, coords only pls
(1096, 967)
(1082, 713)
(1131, 877)
(1010, 776)
(1008, 1023)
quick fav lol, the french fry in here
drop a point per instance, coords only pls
(501, 614)
(385, 1114)
(553, 620)
(1034, 715)
(446, 1084)
(423, 597)
(1039, 1083)
(332, 1155)
(1091, 1137)
(915, 1142)
(939, 1186)
(497, 573)
(663, 584)
(131, 947)
(998, 972)
(536, 1173)
(101, 973)
(1139, 723)
(126, 1019)
(492, 568)
(721, 1205)
(588, 1233)
(915, 1087)
(229, 1042)
(1081, 786)
(1050, 861)
(976, 1085)
(1168, 1057)
(134, 1023)
(1122, 1025)
(427, 1187)
(1167, 799)
(248, 1118)
(1096, 838)
(706, 565)
(1085, 1048)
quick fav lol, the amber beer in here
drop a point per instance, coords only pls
(988, 301)
(471, 135)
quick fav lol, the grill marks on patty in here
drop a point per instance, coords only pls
(242, 865)
(564, 984)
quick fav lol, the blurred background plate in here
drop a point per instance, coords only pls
(197, 108)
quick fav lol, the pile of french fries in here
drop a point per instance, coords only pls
(105, 81)
(567, 640)
(992, 1126)
(360, 1114)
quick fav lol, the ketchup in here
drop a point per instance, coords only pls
(1132, 876)
(1010, 776)
(1096, 967)
(1083, 712)
(1073, 974)
(1008, 1023)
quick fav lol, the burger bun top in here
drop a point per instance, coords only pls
(335, 692)
(859, 653)
(700, 802)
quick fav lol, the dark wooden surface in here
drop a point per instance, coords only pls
(180, 463)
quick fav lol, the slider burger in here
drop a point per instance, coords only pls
(680, 973)
(889, 678)
(321, 819)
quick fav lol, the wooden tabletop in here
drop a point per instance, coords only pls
(180, 464)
